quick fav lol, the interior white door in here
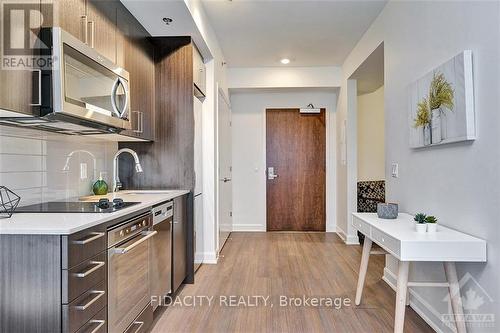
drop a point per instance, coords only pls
(225, 170)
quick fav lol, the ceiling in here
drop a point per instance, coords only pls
(370, 74)
(150, 14)
(309, 33)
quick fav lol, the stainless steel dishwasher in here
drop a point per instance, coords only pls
(128, 278)
(161, 252)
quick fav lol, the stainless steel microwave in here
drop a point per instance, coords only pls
(85, 86)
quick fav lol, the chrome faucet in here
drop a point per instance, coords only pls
(116, 179)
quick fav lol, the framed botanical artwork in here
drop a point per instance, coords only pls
(442, 104)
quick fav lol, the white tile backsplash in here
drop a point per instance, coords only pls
(32, 162)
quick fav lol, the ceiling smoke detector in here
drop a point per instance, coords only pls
(167, 20)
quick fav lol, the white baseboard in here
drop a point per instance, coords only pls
(348, 239)
(249, 227)
(205, 257)
(419, 305)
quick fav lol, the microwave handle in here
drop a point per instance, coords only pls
(119, 113)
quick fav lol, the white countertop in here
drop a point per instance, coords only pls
(68, 223)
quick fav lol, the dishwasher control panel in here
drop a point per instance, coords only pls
(128, 229)
(163, 211)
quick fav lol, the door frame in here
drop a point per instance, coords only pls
(331, 158)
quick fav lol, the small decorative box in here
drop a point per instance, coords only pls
(387, 210)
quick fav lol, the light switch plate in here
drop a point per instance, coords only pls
(83, 171)
(395, 170)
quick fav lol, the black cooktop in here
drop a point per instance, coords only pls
(103, 206)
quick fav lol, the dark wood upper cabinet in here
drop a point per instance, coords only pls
(135, 53)
(19, 91)
(91, 21)
(108, 27)
(19, 88)
(71, 16)
(102, 26)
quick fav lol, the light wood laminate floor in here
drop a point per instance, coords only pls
(289, 264)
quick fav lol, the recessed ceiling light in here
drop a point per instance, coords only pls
(285, 61)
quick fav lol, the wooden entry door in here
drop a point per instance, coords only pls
(295, 150)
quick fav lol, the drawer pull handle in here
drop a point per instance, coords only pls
(96, 235)
(140, 323)
(100, 322)
(147, 235)
(92, 301)
(97, 265)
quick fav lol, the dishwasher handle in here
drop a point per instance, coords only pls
(147, 235)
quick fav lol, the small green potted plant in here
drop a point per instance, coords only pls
(420, 226)
(431, 222)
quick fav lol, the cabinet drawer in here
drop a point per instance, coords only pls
(387, 242)
(82, 309)
(83, 245)
(98, 323)
(361, 226)
(83, 276)
(143, 321)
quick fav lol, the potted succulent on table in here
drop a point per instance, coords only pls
(420, 226)
(431, 222)
(441, 97)
(423, 120)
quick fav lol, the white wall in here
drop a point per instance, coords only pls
(216, 78)
(459, 183)
(284, 77)
(371, 155)
(249, 164)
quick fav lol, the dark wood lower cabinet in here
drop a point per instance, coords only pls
(30, 283)
(38, 294)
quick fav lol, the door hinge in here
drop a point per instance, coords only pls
(230, 214)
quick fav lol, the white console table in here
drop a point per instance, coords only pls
(399, 238)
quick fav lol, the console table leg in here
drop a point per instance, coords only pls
(401, 290)
(365, 256)
(408, 290)
(456, 301)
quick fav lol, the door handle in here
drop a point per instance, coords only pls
(97, 265)
(98, 327)
(147, 235)
(93, 237)
(138, 123)
(92, 33)
(270, 173)
(98, 293)
(140, 323)
(39, 79)
(85, 23)
(142, 122)
(225, 179)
